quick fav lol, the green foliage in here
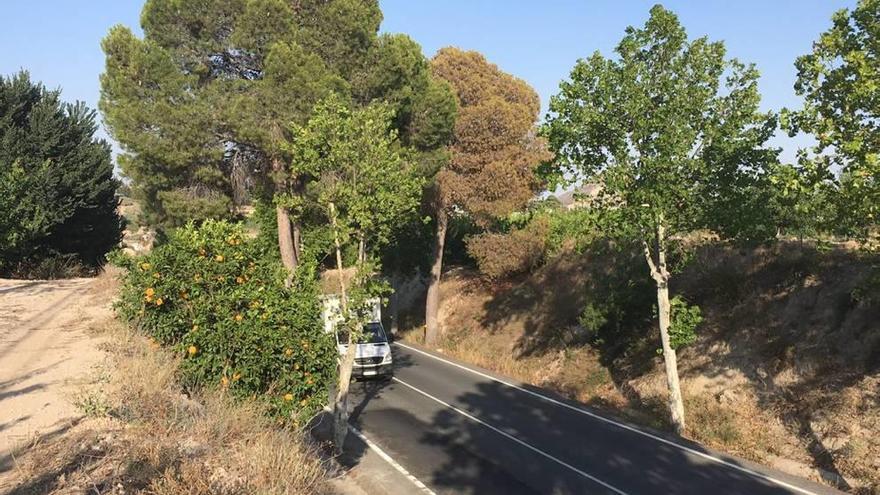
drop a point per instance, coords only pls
(163, 120)
(355, 156)
(57, 191)
(671, 129)
(683, 323)
(340, 31)
(398, 74)
(619, 295)
(574, 230)
(803, 199)
(201, 105)
(217, 297)
(500, 255)
(593, 318)
(840, 84)
(868, 290)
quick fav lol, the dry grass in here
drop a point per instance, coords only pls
(784, 372)
(157, 440)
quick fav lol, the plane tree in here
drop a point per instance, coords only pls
(365, 187)
(672, 131)
(840, 84)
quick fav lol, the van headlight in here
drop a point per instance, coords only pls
(386, 359)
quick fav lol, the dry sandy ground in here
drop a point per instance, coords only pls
(46, 354)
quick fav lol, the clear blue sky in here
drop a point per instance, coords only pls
(58, 41)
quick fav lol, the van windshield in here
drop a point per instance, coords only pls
(373, 334)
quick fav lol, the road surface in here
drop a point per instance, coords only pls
(459, 429)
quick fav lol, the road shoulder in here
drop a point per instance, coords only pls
(365, 468)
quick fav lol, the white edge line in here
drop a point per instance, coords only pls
(619, 425)
(511, 437)
(402, 470)
(387, 458)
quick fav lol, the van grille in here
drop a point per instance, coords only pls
(368, 360)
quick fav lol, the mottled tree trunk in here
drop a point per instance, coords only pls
(660, 274)
(297, 240)
(394, 304)
(432, 304)
(286, 244)
(676, 406)
(340, 403)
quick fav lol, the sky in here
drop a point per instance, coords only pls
(58, 41)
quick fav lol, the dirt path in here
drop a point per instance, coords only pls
(45, 352)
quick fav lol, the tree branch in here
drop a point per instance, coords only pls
(655, 274)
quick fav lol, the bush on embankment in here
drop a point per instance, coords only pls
(218, 299)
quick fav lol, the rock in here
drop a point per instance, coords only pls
(190, 448)
(224, 483)
(836, 442)
(726, 396)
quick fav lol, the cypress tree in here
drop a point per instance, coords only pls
(57, 190)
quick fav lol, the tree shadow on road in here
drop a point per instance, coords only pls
(627, 461)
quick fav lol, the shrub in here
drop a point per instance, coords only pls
(867, 291)
(683, 322)
(573, 230)
(619, 296)
(503, 255)
(218, 299)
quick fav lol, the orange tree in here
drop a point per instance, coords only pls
(218, 298)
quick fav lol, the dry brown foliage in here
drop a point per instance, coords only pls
(512, 253)
(494, 150)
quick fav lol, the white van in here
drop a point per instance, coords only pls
(373, 353)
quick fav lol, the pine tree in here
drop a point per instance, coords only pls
(494, 153)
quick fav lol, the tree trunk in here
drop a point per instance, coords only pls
(285, 239)
(340, 404)
(660, 274)
(286, 243)
(432, 304)
(676, 406)
(297, 240)
(394, 304)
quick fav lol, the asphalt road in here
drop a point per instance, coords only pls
(458, 429)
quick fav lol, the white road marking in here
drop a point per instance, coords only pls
(390, 460)
(511, 437)
(402, 470)
(618, 424)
